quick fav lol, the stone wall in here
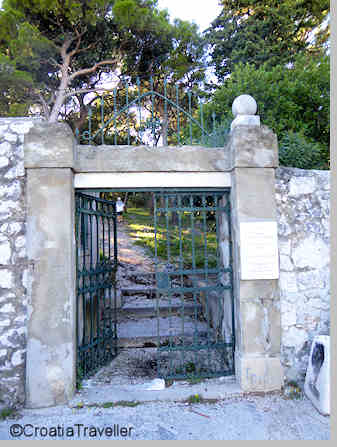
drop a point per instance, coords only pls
(302, 199)
(13, 261)
(303, 225)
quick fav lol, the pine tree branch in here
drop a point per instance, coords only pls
(92, 69)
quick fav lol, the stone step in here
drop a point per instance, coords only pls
(152, 341)
(163, 311)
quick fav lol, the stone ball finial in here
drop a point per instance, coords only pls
(244, 105)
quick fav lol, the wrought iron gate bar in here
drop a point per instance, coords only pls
(204, 351)
(96, 268)
(191, 286)
(146, 117)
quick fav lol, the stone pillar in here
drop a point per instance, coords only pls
(254, 157)
(51, 355)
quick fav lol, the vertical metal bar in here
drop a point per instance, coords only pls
(115, 115)
(84, 271)
(165, 113)
(139, 111)
(102, 119)
(156, 276)
(115, 275)
(202, 122)
(190, 113)
(181, 267)
(167, 228)
(214, 131)
(108, 321)
(178, 116)
(77, 239)
(115, 238)
(100, 290)
(192, 233)
(216, 204)
(127, 110)
(89, 123)
(152, 110)
(195, 303)
(204, 217)
(230, 248)
(103, 231)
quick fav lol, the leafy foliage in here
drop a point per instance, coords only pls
(69, 46)
(269, 32)
(295, 150)
(293, 99)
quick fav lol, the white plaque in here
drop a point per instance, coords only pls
(259, 250)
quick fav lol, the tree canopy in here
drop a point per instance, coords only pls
(57, 48)
(269, 32)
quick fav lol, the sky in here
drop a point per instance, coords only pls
(202, 12)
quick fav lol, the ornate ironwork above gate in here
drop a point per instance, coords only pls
(153, 113)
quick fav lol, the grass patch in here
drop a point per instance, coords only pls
(120, 403)
(108, 405)
(126, 403)
(194, 399)
(140, 225)
(6, 413)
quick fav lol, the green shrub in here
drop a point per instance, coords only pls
(297, 151)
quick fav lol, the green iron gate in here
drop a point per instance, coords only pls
(189, 297)
(194, 280)
(96, 268)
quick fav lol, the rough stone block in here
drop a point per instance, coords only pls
(49, 145)
(311, 252)
(263, 289)
(253, 146)
(150, 159)
(301, 185)
(51, 326)
(259, 373)
(254, 190)
(7, 279)
(261, 327)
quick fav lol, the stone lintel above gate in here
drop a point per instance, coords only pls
(151, 159)
(49, 145)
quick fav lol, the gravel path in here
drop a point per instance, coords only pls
(250, 418)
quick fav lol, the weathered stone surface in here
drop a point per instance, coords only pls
(254, 188)
(311, 252)
(13, 262)
(259, 373)
(49, 145)
(51, 249)
(303, 215)
(147, 159)
(5, 251)
(253, 146)
(258, 331)
(7, 279)
(298, 186)
(245, 120)
(261, 333)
